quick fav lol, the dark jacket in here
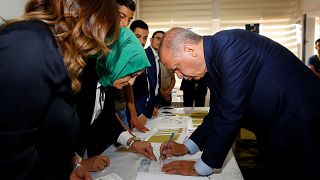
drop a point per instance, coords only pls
(258, 84)
(105, 130)
(140, 93)
(38, 120)
(144, 95)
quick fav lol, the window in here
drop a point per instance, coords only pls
(165, 14)
(277, 18)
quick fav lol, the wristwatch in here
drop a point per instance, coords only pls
(133, 140)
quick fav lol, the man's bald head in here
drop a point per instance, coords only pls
(181, 51)
(174, 40)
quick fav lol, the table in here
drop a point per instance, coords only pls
(126, 165)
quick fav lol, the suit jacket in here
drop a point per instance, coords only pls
(258, 84)
(38, 121)
(144, 96)
(153, 81)
(105, 130)
(141, 94)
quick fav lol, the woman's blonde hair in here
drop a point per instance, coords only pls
(80, 28)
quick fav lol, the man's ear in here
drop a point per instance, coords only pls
(190, 48)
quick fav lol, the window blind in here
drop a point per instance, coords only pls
(165, 14)
(277, 18)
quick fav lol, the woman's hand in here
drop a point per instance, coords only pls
(96, 163)
(144, 148)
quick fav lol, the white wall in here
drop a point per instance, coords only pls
(311, 7)
(11, 8)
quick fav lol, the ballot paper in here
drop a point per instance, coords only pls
(148, 176)
(168, 121)
(149, 169)
(152, 170)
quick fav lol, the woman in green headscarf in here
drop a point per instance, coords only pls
(124, 63)
(126, 60)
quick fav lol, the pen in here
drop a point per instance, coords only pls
(170, 139)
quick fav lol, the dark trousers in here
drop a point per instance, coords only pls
(192, 98)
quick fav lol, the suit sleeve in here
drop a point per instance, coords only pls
(140, 93)
(239, 66)
(104, 131)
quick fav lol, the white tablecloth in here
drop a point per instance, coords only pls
(126, 165)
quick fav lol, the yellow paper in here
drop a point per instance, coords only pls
(125, 149)
(162, 138)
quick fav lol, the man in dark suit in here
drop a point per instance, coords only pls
(256, 83)
(153, 71)
(147, 101)
(140, 87)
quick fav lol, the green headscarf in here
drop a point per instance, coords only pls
(127, 57)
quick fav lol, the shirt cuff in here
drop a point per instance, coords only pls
(192, 147)
(202, 169)
(124, 137)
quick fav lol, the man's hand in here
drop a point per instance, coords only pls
(173, 149)
(180, 167)
(80, 173)
(144, 148)
(167, 97)
(139, 123)
(142, 119)
(155, 112)
(96, 163)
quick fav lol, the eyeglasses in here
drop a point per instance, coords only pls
(158, 38)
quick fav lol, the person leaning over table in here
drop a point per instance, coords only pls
(90, 98)
(41, 55)
(124, 99)
(118, 69)
(257, 84)
(140, 87)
